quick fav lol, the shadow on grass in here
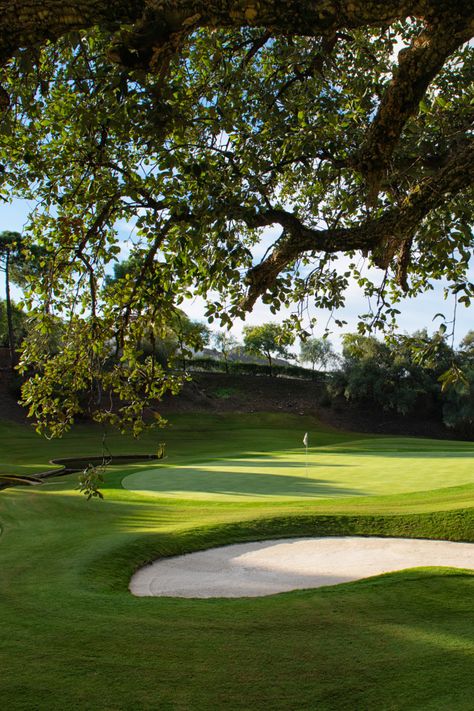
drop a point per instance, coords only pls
(269, 463)
(196, 481)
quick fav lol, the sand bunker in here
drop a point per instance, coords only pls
(268, 567)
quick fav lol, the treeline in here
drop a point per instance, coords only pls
(418, 375)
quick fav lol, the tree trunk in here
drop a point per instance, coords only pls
(270, 364)
(11, 335)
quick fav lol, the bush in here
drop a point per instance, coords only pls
(211, 365)
(207, 364)
(238, 368)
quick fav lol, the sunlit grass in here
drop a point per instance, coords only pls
(287, 475)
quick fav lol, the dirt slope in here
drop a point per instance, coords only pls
(217, 392)
(220, 393)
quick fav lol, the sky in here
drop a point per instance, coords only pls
(416, 313)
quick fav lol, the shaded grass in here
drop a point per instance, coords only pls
(72, 637)
(285, 475)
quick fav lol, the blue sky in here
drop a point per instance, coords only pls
(415, 314)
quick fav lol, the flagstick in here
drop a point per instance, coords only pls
(305, 442)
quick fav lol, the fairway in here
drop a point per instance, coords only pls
(361, 467)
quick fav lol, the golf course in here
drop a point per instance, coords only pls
(237, 355)
(73, 636)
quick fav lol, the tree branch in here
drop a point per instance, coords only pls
(417, 67)
(384, 237)
(153, 25)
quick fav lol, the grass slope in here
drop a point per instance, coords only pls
(72, 636)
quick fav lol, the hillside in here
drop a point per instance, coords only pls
(220, 393)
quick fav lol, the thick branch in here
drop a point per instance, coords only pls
(417, 67)
(28, 23)
(383, 237)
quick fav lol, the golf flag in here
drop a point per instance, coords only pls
(305, 439)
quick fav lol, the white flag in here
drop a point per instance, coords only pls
(305, 439)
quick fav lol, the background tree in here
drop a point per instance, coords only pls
(458, 406)
(466, 347)
(225, 343)
(458, 400)
(203, 125)
(402, 375)
(268, 340)
(15, 319)
(177, 335)
(20, 262)
(317, 351)
(10, 253)
(190, 336)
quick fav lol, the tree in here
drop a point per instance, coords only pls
(9, 253)
(204, 123)
(317, 351)
(356, 347)
(225, 343)
(458, 406)
(12, 318)
(467, 347)
(268, 340)
(401, 375)
(189, 334)
(18, 261)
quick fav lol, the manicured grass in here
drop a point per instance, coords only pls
(268, 461)
(327, 472)
(72, 637)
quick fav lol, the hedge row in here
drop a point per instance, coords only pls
(212, 365)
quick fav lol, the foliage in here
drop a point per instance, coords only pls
(162, 339)
(401, 375)
(190, 335)
(225, 343)
(10, 256)
(458, 406)
(90, 480)
(268, 340)
(19, 322)
(10, 247)
(236, 367)
(466, 347)
(203, 129)
(207, 363)
(317, 351)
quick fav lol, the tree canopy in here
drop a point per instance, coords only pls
(346, 126)
(392, 376)
(268, 340)
(317, 351)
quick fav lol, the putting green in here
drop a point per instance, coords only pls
(368, 467)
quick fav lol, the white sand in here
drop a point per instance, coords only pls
(268, 567)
